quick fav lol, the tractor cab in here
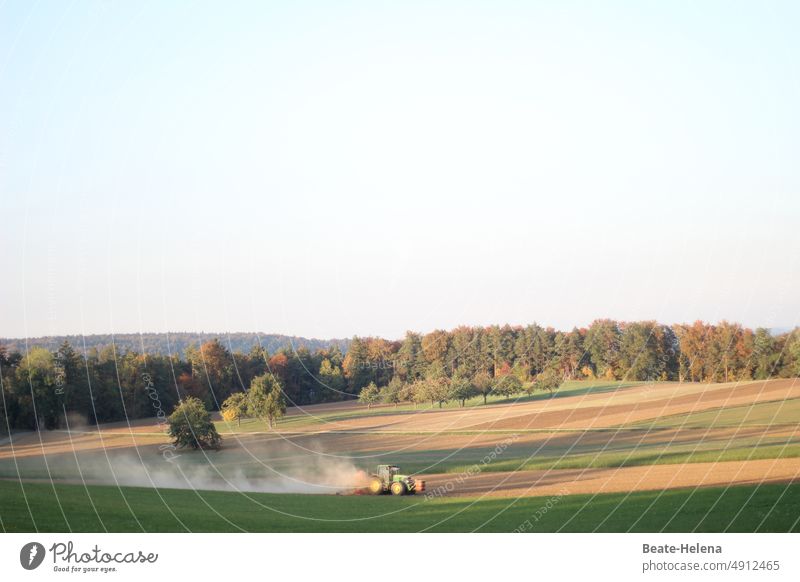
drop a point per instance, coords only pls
(387, 472)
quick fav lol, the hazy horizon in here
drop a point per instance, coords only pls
(776, 330)
(328, 171)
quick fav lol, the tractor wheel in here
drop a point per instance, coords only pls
(398, 488)
(375, 486)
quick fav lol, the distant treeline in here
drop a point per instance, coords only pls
(107, 384)
(173, 343)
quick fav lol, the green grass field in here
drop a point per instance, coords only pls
(45, 508)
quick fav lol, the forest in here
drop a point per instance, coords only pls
(173, 342)
(48, 387)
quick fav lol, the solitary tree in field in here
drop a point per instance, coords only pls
(190, 426)
(265, 398)
(235, 407)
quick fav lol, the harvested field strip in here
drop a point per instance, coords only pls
(603, 480)
(772, 413)
(641, 458)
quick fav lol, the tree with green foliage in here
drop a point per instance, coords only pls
(392, 392)
(190, 426)
(369, 395)
(407, 392)
(764, 354)
(438, 390)
(549, 380)
(482, 382)
(72, 378)
(420, 392)
(461, 388)
(602, 344)
(507, 385)
(265, 398)
(437, 384)
(465, 354)
(640, 356)
(39, 388)
(569, 353)
(500, 346)
(330, 375)
(409, 362)
(793, 353)
(235, 407)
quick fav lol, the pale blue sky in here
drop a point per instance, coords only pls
(329, 169)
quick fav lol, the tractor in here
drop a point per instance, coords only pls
(387, 479)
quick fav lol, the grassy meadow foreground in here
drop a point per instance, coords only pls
(594, 456)
(45, 508)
